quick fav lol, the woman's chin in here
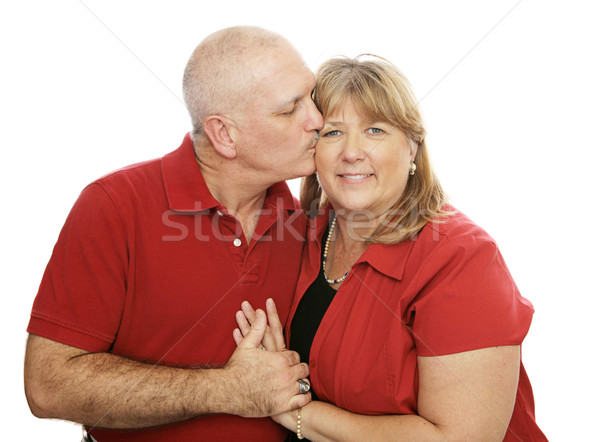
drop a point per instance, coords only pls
(351, 209)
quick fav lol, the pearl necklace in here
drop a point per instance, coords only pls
(326, 251)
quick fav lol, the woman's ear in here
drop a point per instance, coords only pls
(414, 148)
(217, 128)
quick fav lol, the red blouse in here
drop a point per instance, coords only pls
(446, 291)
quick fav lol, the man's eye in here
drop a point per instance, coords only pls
(290, 112)
(375, 130)
(331, 133)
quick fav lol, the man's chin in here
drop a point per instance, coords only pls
(301, 167)
(298, 172)
(307, 172)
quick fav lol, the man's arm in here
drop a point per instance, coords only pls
(106, 390)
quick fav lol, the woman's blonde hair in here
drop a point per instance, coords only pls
(382, 93)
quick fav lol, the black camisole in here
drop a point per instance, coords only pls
(310, 312)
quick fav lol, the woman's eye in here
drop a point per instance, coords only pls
(331, 133)
(375, 130)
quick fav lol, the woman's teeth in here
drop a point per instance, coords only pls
(356, 177)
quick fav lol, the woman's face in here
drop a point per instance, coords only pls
(363, 165)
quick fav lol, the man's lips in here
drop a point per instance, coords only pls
(314, 143)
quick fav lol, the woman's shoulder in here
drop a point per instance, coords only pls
(453, 232)
(454, 224)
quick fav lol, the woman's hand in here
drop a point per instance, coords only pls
(289, 419)
(273, 339)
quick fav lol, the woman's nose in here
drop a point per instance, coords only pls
(354, 148)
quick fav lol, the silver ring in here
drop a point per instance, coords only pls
(304, 386)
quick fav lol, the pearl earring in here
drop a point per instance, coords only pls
(413, 167)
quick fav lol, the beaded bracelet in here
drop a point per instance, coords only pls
(299, 425)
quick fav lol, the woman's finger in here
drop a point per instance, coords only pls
(275, 325)
(242, 322)
(248, 311)
(237, 336)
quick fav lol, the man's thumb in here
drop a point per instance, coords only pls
(257, 331)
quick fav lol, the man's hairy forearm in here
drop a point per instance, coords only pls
(105, 390)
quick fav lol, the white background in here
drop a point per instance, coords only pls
(509, 89)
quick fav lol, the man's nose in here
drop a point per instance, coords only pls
(315, 119)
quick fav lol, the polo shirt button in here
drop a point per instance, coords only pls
(237, 242)
(312, 363)
(220, 213)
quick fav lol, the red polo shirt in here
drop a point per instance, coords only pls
(150, 266)
(446, 291)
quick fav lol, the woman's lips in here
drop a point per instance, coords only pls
(354, 178)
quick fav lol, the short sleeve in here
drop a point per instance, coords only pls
(468, 299)
(82, 293)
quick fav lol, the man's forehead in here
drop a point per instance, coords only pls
(289, 84)
(282, 63)
(297, 86)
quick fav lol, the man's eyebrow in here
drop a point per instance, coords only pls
(298, 97)
(286, 103)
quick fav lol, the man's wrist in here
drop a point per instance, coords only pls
(221, 393)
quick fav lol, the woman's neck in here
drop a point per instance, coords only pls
(343, 248)
(354, 231)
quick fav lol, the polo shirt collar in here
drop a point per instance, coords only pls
(279, 196)
(187, 191)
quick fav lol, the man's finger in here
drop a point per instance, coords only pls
(257, 331)
(301, 371)
(244, 319)
(300, 400)
(292, 357)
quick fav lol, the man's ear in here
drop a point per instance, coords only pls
(217, 128)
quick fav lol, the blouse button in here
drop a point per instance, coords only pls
(237, 242)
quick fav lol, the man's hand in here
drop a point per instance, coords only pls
(267, 381)
(273, 339)
(107, 390)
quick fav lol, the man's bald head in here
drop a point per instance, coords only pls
(221, 72)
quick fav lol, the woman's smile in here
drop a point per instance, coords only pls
(355, 178)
